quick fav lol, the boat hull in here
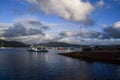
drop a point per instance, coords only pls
(38, 50)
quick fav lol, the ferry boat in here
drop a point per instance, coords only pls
(35, 49)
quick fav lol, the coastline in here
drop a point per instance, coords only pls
(95, 56)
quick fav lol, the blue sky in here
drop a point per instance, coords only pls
(100, 16)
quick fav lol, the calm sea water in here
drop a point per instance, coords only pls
(19, 64)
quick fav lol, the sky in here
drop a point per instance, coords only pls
(85, 22)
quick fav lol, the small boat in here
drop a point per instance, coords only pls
(35, 49)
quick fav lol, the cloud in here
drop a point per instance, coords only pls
(117, 25)
(30, 39)
(112, 31)
(78, 37)
(31, 30)
(101, 42)
(82, 33)
(71, 10)
(100, 3)
(24, 27)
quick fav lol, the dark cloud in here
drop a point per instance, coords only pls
(16, 30)
(35, 23)
(89, 34)
(19, 29)
(112, 31)
(63, 34)
(81, 33)
(89, 22)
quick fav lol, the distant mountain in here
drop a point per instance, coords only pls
(4, 43)
(62, 44)
(57, 44)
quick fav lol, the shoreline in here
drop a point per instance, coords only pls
(97, 56)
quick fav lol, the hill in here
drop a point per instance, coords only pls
(4, 43)
(57, 44)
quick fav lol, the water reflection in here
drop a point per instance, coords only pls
(18, 64)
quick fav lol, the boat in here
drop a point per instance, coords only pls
(35, 49)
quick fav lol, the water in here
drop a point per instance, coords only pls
(19, 64)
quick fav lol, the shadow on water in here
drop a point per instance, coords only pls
(19, 64)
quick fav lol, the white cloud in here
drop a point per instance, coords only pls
(71, 10)
(71, 40)
(4, 26)
(101, 42)
(117, 25)
(30, 39)
(100, 3)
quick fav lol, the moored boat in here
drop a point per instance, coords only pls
(35, 49)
